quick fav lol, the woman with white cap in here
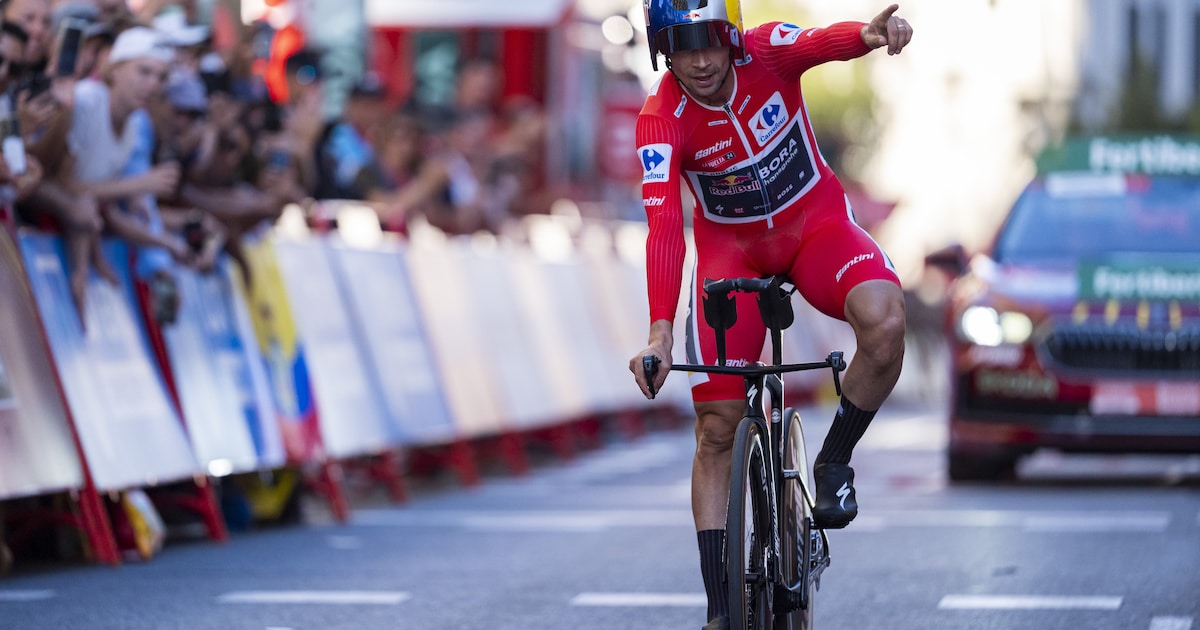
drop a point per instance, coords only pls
(110, 146)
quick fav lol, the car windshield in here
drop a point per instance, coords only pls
(1091, 216)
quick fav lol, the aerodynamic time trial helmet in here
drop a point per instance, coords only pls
(674, 25)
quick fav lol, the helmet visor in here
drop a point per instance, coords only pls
(692, 36)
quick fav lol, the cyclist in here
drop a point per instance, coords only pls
(729, 121)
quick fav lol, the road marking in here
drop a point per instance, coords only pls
(389, 598)
(587, 521)
(1027, 602)
(526, 521)
(25, 595)
(344, 542)
(1171, 623)
(640, 599)
(918, 433)
(1091, 523)
(1036, 522)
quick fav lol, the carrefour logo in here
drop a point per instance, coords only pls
(656, 162)
(769, 120)
(785, 34)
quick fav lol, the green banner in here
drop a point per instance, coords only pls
(1139, 282)
(1151, 155)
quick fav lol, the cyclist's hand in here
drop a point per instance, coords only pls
(661, 339)
(660, 374)
(888, 30)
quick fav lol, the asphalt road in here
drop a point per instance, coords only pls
(606, 541)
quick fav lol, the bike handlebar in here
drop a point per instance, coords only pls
(747, 285)
(835, 362)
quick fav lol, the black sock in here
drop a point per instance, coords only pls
(712, 569)
(849, 425)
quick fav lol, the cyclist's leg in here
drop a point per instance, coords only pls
(719, 402)
(843, 273)
(719, 399)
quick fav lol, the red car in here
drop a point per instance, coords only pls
(1080, 330)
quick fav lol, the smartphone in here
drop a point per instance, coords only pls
(68, 43)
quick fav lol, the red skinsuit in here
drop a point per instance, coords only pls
(766, 201)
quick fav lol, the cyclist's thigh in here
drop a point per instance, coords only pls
(743, 342)
(835, 256)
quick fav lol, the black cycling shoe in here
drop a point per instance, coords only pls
(717, 623)
(836, 505)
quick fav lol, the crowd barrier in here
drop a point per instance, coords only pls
(347, 345)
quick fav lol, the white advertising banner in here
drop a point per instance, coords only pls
(37, 450)
(130, 432)
(517, 335)
(622, 324)
(380, 298)
(450, 309)
(575, 307)
(222, 407)
(350, 407)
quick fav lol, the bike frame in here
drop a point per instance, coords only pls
(760, 379)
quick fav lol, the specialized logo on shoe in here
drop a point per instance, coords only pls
(843, 492)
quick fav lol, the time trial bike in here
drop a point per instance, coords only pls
(774, 553)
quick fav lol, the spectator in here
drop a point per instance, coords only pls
(478, 85)
(33, 16)
(401, 142)
(19, 173)
(43, 112)
(454, 189)
(190, 40)
(227, 187)
(348, 152)
(519, 153)
(304, 122)
(110, 145)
(12, 54)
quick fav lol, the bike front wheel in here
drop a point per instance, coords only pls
(748, 532)
(794, 523)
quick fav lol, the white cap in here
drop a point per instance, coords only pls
(174, 25)
(140, 42)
